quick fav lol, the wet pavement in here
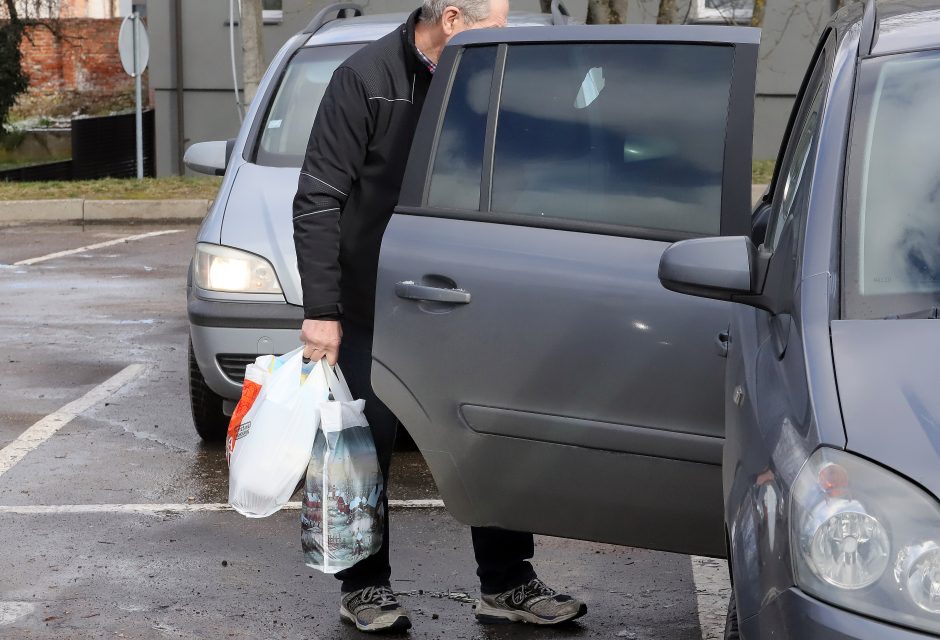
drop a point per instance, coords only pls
(72, 322)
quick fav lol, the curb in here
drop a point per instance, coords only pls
(78, 210)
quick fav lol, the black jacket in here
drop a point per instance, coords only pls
(352, 174)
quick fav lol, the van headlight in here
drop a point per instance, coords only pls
(865, 539)
(219, 268)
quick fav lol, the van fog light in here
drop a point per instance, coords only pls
(849, 550)
(918, 571)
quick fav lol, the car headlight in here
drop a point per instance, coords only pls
(865, 539)
(219, 268)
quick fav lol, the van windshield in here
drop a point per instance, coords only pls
(289, 118)
(892, 230)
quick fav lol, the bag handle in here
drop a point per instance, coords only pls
(337, 382)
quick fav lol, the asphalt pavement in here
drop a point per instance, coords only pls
(112, 511)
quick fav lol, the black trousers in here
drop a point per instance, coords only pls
(502, 556)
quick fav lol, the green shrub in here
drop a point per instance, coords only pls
(13, 80)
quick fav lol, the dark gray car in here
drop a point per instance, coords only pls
(832, 453)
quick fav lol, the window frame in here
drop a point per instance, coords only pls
(701, 13)
(735, 196)
(273, 16)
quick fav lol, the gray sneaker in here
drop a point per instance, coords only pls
(374, 609)
(533, 602)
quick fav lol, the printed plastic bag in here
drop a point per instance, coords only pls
(343, 516)
(273, 441)
(256, 374)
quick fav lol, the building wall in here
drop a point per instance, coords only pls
(78, 70)
(791, 28)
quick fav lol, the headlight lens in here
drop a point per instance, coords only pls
(863, 538)
(219, 268)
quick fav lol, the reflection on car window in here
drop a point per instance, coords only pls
(287, 125)
(458, 163)
(623, 134)
(797, 174)
(895, 247)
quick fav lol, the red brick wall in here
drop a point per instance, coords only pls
(77, 71)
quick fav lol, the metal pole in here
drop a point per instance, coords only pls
(180, 84)
(139, 116)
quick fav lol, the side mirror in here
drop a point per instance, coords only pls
(207, 157)
(716, 268)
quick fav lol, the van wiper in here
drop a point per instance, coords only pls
(931, 313)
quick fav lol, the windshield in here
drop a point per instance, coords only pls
(892, 231)
(289, 118)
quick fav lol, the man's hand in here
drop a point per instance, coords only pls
(321, 339)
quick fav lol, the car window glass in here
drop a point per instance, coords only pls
(458, 161)
(621, 134)
(892, 238)
(796, 174)
(288, 121)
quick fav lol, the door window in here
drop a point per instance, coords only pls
(797, 174)
(458, 163)
(603, 133)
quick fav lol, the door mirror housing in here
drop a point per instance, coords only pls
(717, 268)
(210, 158)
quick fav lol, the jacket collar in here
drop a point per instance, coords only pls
(412, 59)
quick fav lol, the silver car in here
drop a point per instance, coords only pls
(244, 296)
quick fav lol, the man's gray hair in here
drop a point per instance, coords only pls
(472, 10)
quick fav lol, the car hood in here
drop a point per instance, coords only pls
(887, 373)
(258, 219)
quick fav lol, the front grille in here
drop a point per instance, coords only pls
(233, 365)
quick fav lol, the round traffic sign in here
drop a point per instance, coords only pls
(126, 45)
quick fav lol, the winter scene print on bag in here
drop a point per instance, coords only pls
(343, 516)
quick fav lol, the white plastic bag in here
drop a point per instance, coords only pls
(275, 438)
(343, 516)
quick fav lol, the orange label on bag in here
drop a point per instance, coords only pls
(250, 391)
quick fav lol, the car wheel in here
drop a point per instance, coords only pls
(210, 421)
(731, 621)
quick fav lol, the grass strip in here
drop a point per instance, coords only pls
(170, 188)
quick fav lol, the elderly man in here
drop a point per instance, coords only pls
(348, 187)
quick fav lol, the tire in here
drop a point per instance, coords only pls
(731, 620)
(210, 421)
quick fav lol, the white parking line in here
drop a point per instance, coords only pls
(100, 245)
(45, 428)
(177, 508)
(712, 590)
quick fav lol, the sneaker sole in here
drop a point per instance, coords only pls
(485, 614)
(400, 624)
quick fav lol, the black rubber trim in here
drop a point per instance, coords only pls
(546, 222)
(243, 315)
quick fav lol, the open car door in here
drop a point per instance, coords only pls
(522, 335)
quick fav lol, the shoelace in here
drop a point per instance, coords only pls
(380, 596)
(534, 588)
(539, 588)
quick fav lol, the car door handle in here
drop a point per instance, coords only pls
(722, 341)
(410, 290)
